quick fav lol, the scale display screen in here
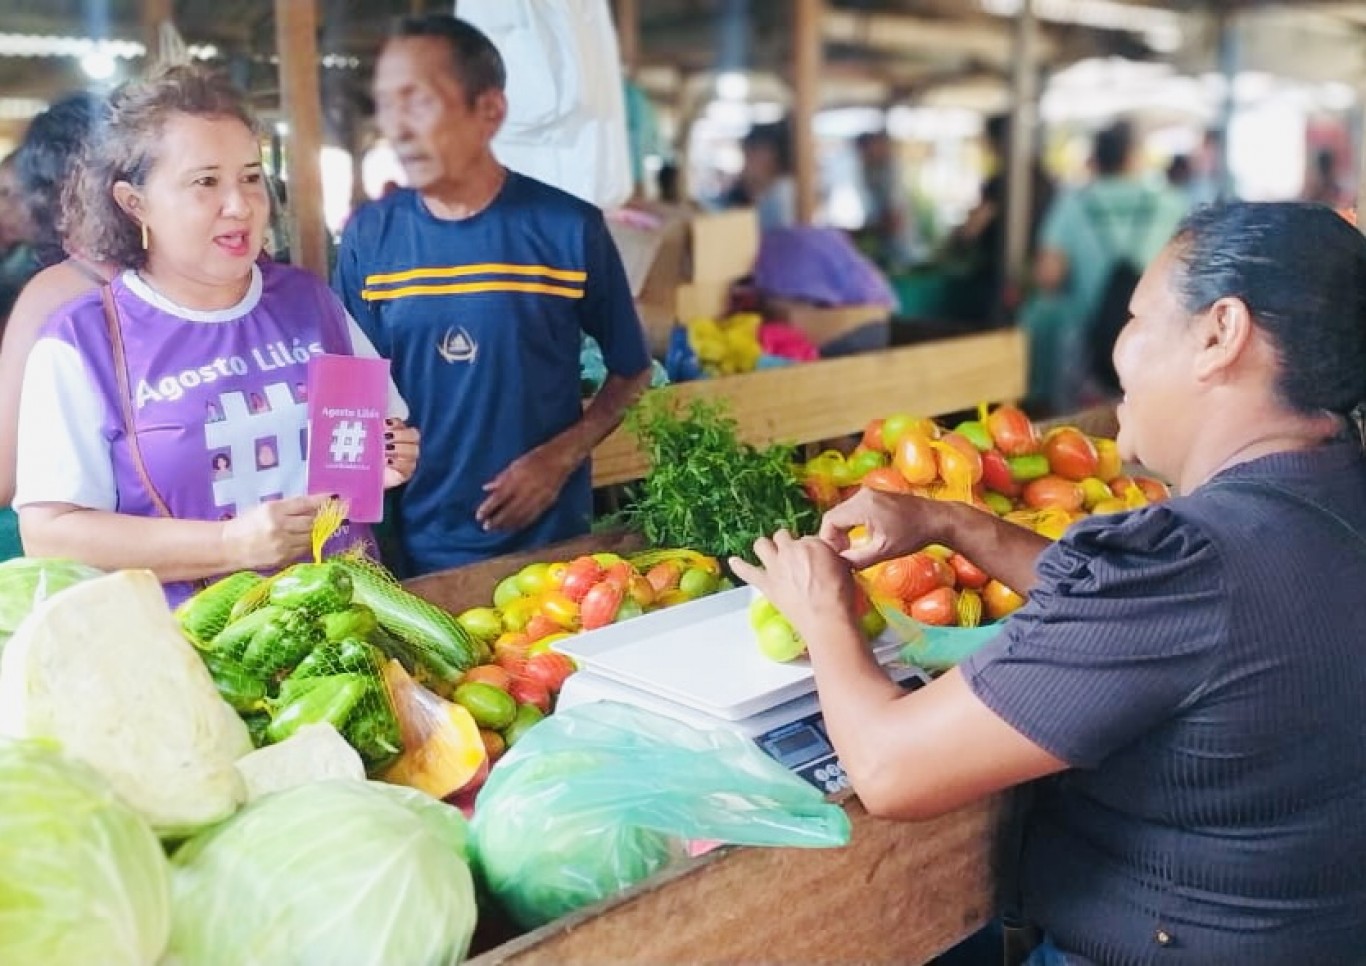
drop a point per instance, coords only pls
(797, 746)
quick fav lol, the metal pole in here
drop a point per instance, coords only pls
(1019, 180)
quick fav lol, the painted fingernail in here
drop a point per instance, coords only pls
(389, 460)
(388, 435)
(336, 496)
(388, 445)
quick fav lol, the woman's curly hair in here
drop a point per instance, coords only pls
(124, 148)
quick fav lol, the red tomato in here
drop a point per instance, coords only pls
(526, 691)
(821, 491)
(996, 474)
(541, 626)
(549, 669)
(908, 577)
(1014, 434)
(968, 574)
(582, 573)
(964, 445)
(489, 674)
(600, 605)
(1054, 492)
(510, 651)
(1155, 490)
(872, 436)
(619, 575)
(664, 577)
(1071, 454)
(887, 480)
(939, 607)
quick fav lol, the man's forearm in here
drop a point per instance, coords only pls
(603, 415)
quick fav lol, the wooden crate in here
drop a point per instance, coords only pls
(828, 399)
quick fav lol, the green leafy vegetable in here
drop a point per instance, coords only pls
(706, 489)
(82, 877)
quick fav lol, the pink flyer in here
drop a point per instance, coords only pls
(347, 399)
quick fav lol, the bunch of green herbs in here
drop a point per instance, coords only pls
(705, 488)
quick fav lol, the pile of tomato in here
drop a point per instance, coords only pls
(1001, 463)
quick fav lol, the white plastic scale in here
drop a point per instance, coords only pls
(698, 663)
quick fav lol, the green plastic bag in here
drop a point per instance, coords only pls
(934, 648)
(601, 796)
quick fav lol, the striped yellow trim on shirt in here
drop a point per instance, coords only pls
(459, 288)
(484, 268)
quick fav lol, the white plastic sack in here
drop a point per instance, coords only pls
(566, 122)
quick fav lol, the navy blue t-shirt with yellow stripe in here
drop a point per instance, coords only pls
(481, 319)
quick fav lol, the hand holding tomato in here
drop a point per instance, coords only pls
(805, 579)
(897, 524)
(521, 493)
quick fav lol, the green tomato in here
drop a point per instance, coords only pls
(506, 592)
(697, 582)
(976, 433)
(1026, 468)
(778, 641)
(864, 460)
(999, 503)
(527, 716)
(760, 610)
(894, 427)
(482, 623)
(491, 707)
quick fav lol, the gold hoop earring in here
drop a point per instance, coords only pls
(146, 237)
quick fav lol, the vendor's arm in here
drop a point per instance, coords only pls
(898, 524)
(67, 495)
(907, 756)
(45, 293)
(531, 483)
(1092, 662)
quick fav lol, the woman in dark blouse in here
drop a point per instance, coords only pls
(1189, 679)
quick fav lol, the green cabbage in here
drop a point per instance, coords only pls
(327, 873)
(82, 878)
(26, 582)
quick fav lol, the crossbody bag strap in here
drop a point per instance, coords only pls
(111, 319)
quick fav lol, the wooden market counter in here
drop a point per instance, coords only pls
(898, 893)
